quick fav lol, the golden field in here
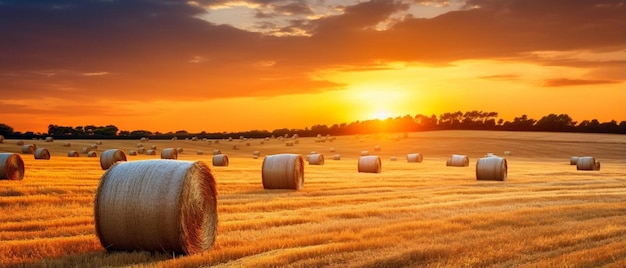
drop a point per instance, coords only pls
(546, 214)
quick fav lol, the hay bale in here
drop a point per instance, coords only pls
(377, 148)
(139, 145)
(393, 158)
(573, 160)
(20, 142)
(153, 147)
(42, 154)
(73, 154)
(174, 138)
(150, 152)
(179, 149)
(49, 139)
(194, 138)
(365, 153)
(144, 139)
(507, 153)
(1, 139)
(11, 166)
(235, 147)
(99, 142)
(220, 160)
(132, 152)
(332, 150)
(67, 144)
(414, 158)
(169, 153)
(199, 152)
(29, 149)
(283, 171)
(85, 150)
(370, 164)
(587, 163)
(178, 214)
(110, 157)
(141, 150)
(316, 159)
(93, 146)
(491, 169)
(289, 143)
(92, 154)
(336, 157)
(216, 152)
(457, 160)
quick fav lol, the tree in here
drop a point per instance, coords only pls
(6, 130)
(554, 122)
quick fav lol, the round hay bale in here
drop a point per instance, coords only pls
(573, 160)
(29, 149)
(507, 153)
(73, 154)
(194, 139)
(94, 146)
(153, 147)
(393, 158)
(414, 158)
(49, 139)
(92, 154)
(139, 145)
(11, 166)
(144, 139)
(491, 169)
(132, 152)
(283, 171)
(110, 157)
(316, 159)
(42, 154)
(220, 160)
(169, 153)
(20, 142)
(1, 139)
(587, 163)
(370, 164)
(247, 144)
(457, 160)
(257, 153)
(150, 152)
(141, 150)
(174, 138)
(235, 147)
(67, 144)
(336, 157)
(199, 152)
(289, 143)
(377, 148)
(216, 152)
(85, 150)
(365, 153)
(332, 150)
(98, 142)
(178, 214)
(179, 149)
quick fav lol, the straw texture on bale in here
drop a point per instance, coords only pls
(49, 139)
(29, 149)
(178, 214)
(573, 160)
(132, 152)
(365, 153)
(67, 144)
(316, 159)
(414, 158)
(72, 154)
(216, 152)
(92, 154)
(587, 163)
(457, 160)
(11, 166)
(370, 164)
(283, 171)
(85, 150)
(491, 169)
(42, 154)
(150, 152)
(336, 157)
(169, 153)
(20, 142)
(220, 160)
(110, 157)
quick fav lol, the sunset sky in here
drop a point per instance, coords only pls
(221, 65)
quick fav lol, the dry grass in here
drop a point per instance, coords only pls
(412, 214)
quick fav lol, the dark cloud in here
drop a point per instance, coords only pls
(564, 82)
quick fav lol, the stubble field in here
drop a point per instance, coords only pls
(425, 214)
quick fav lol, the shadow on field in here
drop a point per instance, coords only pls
(103, 259)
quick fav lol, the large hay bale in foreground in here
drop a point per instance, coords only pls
(11, 166)
(283, 171)
(73, 154)
(457, 160)
(316, 159)
(573, 160)
(587, 163)
(220, 160)
(414, 158)
(110, 157)
(42, 154)
(491, 168)
(178, 214)
(370, 164)
(169, 153)
(29, 149)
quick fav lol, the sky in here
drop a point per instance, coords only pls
(222, 65)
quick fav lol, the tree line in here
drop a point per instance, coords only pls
(470, 120)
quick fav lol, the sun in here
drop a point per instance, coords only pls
(381, 115)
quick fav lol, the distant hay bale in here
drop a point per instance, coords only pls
(92, 154)
(336, 157)
(42, 154)
(179, 149)
(220, 160)
(20, 142)
(86, 150)
(457, 160)
(365, 153)
(289, 143)
(194, 138)
(216, 152)
(132, 152)
(587, 163)
(110, 157)
(73, 154)
(235, 147)
(141, 150)
(177, 215)
(414, 158)
(150, 152)
(67, 144)
(377, 148)
(507, 153)
(256, 154)
(94, 146)
(199, 152)
(573, 160)
(174, 138)
(144, 139)
(316, 159)
(11, 166)
(296, 142)
(29, 149)
(153, 147)
(370, 164)
(393, 158)
(139, 145)
(332, 150)
(169, 153)
(491, 169)
(98, 142)
(283, 171)
(49, 139)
